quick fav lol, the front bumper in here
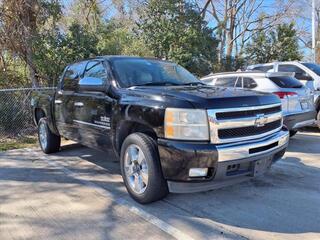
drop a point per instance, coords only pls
(227, 163)
(299, 120)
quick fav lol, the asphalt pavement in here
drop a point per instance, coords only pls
(78, 194)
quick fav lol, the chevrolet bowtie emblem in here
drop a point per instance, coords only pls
(261, 120)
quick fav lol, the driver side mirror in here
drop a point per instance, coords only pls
(92, 84)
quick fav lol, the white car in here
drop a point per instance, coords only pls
(297, 100)
(306, 72)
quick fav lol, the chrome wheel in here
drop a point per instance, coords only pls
(136, 169)
(43, 135)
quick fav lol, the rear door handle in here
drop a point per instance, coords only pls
(78, 104)
(57, 101)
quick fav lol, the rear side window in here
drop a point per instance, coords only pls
(226, 82)
(286, 82)
(249, 83)
(263, 68)
(71, 76)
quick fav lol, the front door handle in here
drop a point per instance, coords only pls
(78, 104)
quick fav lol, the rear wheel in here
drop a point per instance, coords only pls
(49, 142)
(141, 170)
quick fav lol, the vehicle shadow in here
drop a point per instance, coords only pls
(285, 200)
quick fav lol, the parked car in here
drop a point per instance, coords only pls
(297, 100)
(306, 72)
(171, 132)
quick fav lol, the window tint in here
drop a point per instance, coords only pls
(299, 73)
(71, 76)
(249, 83)
(263, 68)
(96, 69)
(286, 82)
(226, 82)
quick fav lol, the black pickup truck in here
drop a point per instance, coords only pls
(171, 132)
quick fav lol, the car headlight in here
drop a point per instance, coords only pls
(186, 124)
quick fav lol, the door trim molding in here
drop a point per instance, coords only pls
(91, 124)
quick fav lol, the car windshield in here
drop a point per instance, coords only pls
(313, 67)
(144, 72)
(286, 82)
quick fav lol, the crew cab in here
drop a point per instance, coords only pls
(171, 132)
(296, 99)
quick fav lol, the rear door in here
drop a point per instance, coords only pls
(65, 99)
(93, 110)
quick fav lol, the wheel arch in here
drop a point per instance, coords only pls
(127, 127)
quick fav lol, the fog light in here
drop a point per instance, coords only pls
(198, 172)
(283, 140)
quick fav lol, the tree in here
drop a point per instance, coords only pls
(175, 30)
(280, 44)
(236, 21)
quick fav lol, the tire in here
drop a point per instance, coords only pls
(318, 119)
(293, 132)
(141, 170)
(48, 141)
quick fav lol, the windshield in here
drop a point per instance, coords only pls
(145, 72)
(313, 67)
(286, 82)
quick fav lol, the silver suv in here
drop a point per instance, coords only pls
(297, 100)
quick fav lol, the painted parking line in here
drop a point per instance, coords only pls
(132, 206)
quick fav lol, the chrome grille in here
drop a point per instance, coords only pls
(237, 124)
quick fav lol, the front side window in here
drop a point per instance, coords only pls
(71, 76)
(145, 72)
(95, 69)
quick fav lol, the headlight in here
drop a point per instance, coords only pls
(186, 124)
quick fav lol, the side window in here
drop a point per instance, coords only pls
(299, 73)
(239, 82)
(71, 76)
(249, 83)
(226, 82)
(263, 68)
(96, 69)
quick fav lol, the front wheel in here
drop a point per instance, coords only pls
(141, 170)
(49, 142)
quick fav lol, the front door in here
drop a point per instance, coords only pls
(92, 115)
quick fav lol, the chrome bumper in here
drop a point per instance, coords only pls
(237, 151)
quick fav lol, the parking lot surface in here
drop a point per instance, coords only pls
(78, 194)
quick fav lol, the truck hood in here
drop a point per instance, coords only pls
(209, 97)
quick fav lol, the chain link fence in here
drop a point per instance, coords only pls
(16, 113)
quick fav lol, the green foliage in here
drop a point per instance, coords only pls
(175, 30)
(56, 50)
(280, 44)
